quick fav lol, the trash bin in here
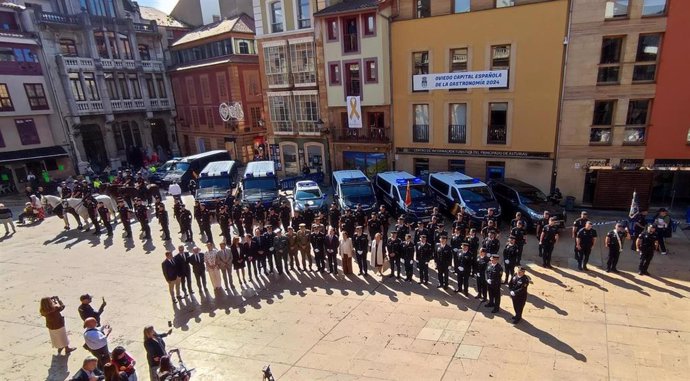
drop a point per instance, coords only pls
(570, 203)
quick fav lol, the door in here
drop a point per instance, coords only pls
(92, 138)
(159, 136)
(495, 170)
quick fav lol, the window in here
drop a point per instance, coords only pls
(498, 123)
(105, 8)
(653, 7)
(353, 86)
(243, 47)
(646, 58)
(161, 86)
(124, 89)
(150, 85)
(638, 115)
(5, 99)
(332, 29)
(275, 61)
(610, 61)
(91, 88)
(191, 90)
(8, 21)
(2, 140)
(111, 86)
(616, 9)
(68, 47)
(423, 9)
(457, 128)
(371, 70)
(76, 86)
(461, 6)
(279, 112)
(134, 83)
(126, 47)
(210, 119)
(205, 89)
(276, 10)
(222, 89)
(603, 113)
(255, 113)
(455, 165)
(27, 131)
(420, 128)
(369, 22)
(350, 35)
(144, 53)
(458, 60)
(7, 55)
(306, 112)
(334, 74)
(302, 63)
(420, 65)
(500, 58)
(375, 120)
(36, 95)
(504, 3)
(304, 14)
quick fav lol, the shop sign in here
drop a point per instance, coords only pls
(473, 153)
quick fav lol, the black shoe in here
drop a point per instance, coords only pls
(489, 305)
(517, 320)
(166, 238)
(420, 282)
(467, 294)
(608, 270)
(641, 273)
(391, 276)
(615, 271)
(478, 296)
(440, 286)
(584, 268)
(646, 273)
(456, 290)
(495, 310)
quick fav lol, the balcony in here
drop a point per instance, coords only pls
(104, 20)
(306, 78)
(497, 134)
(420, 133)
(145, 28)
(159, 104)
(89, 107)
(118, 64)
(457, 133)
(362, 135)
(278, 79)
(76, 63)
(57, 18)
(153, 66)
(128, 105)
(282, 128)
(308, 128)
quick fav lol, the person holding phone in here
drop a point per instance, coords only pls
(155, 349)
(55, 322)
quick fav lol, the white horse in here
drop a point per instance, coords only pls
(78, 206)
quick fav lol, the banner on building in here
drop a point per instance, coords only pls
(461, 80)
(354, 112)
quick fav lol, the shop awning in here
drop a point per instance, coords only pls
(32, 154)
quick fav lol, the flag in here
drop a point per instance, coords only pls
(634, 207)
(408, 196)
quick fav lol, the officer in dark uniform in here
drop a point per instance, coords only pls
(444, 258)
(250, 248)
(407, 253)
(540, 224)
(142, 215)
(424, 255)
(490, 227)
(205, 223)
(494, 274)
(491, 243)
(419, 232)
(519, 233)
(105, 217)
(510, 255)
(177, 207)
(334, 217)
(360, 216)
(518, 218)
(394, 253)
(186, 223)
(269, 251)
(162, 216)
(360, 242)
(347, 222)
(224, 222)
(586, 238)
(401, 228)
(318, 239)
(281, 246)
(123, 212)
(456, 244)
(92, 208)
(473, 240)
(578, 225)
(440, 231)
(463, 267)
(259, 213)
(518, 292)
(284, 213)
(309, 217)
(460, 224)
(435, 212)
(273, 218)
(547, 241)
(384, 217)
(374, 225)
(247, 220)
(614, 241)
(480, 265)
(490, 216)
(236, 214)
(647, 243)
(638, 224)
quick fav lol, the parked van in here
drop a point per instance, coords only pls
(215, 180)
(391, 190)
(352, 188)
(189, 167)
(259, 183)
(454, 189)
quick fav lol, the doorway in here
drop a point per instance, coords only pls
(495, 170)
(159, 136)
(92, 138)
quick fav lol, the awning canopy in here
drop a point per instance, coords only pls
(32, 154)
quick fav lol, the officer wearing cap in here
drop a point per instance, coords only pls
(292, 247)
(519, 233)
(614, 242)
(518, 292)
(303, 245)
(360, 243)
(578, 225)
(586, 238)
(443, 259)
(124, 212)
(463, 267)
(267, 238)
(186, 223)
(407, 252)
(494, 273)
(394, 254)
(317, 243)
(480, 265)
(334, 216)
(401, 228)
(547, 241)
(491, 243)
(281, 246)
(510, 256)
(541, 223)
(424, 255)
(473, 240)
(205, 223)
(284, 211)
(142, 214)
(247, 220)
(647, 243)
(347, 222)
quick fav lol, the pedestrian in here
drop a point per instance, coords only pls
(304, 246)
(378, 253)
(331, 245)
(155, 349)
(186, 224)
(89, 371)
(171, 276)
(424, 255)
(586, 238)
(393, 249)
(238, 260)
(86, 311)
(124, 214)
(578, 225)
(547, 241)
(407, 254)
(124, 362)
(181, 259)
(96, 339)
(142, 214)
(518, 293)
(104, 213)
(510, 255)
(361, 245)
(162, 216)
(249, 251)
(662, 222)
(614, 242)
(480, 265)
(211, 262)
(494, 273)
(199, 269)
(463, 267)
(225, 265)
(281, 247)
(647, 243)
(346, 252)
(51, 308)
(110, 373)
(444, 258)
(6, 219)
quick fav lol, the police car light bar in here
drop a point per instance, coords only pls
(414, 181)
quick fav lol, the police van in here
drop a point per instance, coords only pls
(352, 188)
(215, 180)
(392, 190)
(259, 183)
(454, 189)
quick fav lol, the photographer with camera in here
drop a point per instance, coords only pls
(55, 322)
(96, 340)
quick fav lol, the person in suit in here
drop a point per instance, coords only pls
(171, 276)
(249, 251)
(199, 268)
(224, 262)
(182, 263)
(238, 260)
(89, 371)
(360, 242)
(331, 245)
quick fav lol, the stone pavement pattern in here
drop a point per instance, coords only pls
(577, 326)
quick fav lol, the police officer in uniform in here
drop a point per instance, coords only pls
(317, 243)
(539, 227)
(401, 228)
(480, 265)
(142, 214)
(419, 232)
(105, 218)
(281, 247)
(162, 216)
(360, 216)
(647, 243)
(407, 253)
(473, 240)
(285, 212)
(186, 223)
(347, 223)
(268, 250)
(92, 208)
(494, 274)
(444, 258)
(394, 253)
(586, 238)
(614, 241)
(259, 213)
(374, 224)
(518, 292)
(456, 243)
(123, 212)
(334, 217)
(293, 248)
(247, 220)
(177, 208)
(491, 243)
(424, 255)
(547, 241)
(463, 267)
(224, 222)
(578, 225)
(510, 254)
(519, 233)
(249, 250)
(490, 227)
(237, 218)
(360, 242)
(205, 223)
(460, 225)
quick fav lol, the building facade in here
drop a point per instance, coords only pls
(32, 137)
(609, 94)
(110, 77)
(213, 65)
(203, 12)
(353, 52)
(506, 131)
(295, 109)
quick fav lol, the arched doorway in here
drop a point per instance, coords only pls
(92, 138)
(159, 136)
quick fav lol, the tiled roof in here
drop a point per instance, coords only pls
(240, 24)
(349, 6)
(160, 17)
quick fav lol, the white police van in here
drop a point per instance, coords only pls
(392, 190)
(352, 188)
(454, 189)
(307, 195)
(260, 183)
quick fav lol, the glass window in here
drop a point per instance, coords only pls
(134, 83)
(610, 60)
(646, 58)
(653, 7)
(76, 86)
(144, 53)
(603, 113)
(306, 112)
(350, 35)
(461, 6)
(420, 65)
(600, 136)
(162, 93)
(150, 86)
(290, 158)
(369, 22)
(504, 3)
(111, 86)
(498, 123)
(371, 71)
(638, 111)
(457, 132)
(456, 165)
(500, 58)
(423, 8)
(91, 88)
(124, 89)
(302, 63)
(36, 95)
(353, 86)
(126, 47)
(276, 9)
(2, 140)
(616, 9)
(334, 73)
(332, 25)
(275, 62)
(458, 60)
(68, 47)
(27, 131)
(5, 98)
(243, 47)
(279, 112)
(420, 128)
(304, 13)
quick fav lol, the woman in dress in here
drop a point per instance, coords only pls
(377, 253)
(346, 251)
(238, 261)
(50, 309)
(155, 349)
(211, 261)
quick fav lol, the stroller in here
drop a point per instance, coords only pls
(178, 373)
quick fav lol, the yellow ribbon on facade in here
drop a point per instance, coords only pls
(353, 109)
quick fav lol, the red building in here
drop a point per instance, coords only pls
(216, 65)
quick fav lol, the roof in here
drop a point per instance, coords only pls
(516, 184)
(350, 174)
(202, 155)
(260, 168)
(240, 24)
(347, 6)
(393, 176)
(32, 154)
(457, 179)
(160, 17)
(216, 168)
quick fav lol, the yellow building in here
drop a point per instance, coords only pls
(484, 132)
